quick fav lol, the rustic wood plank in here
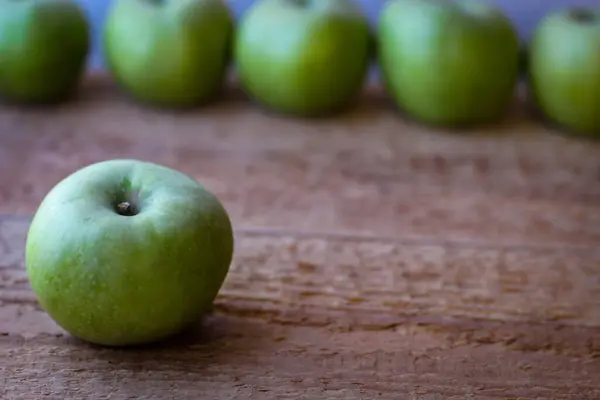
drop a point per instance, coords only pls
(341, 317)
(375, 258)
(239, 358)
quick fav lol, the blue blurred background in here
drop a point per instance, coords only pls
(524, 14)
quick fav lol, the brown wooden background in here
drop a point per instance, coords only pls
(375, 257)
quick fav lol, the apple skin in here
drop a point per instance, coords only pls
(169, 53)
(303, 58)
(44, 46)
(451, 64)
(119, 280)
(564, 70)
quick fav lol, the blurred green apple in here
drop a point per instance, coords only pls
(44, 46)
(451, 63)
(303, 57)
(125, 252)
(169, 53)
(564, 69)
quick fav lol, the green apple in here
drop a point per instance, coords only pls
(303, 57)
(126, 252)
(564, 69)
(169, 53)
(44, 46)
(448, 63)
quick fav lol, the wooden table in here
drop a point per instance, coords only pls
(375, 257)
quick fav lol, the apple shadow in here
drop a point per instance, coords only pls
(95, 88)
(66, 100)
(214, 342)
(368, 107)
(118, 92)
(556, 129)
(509, 122)
(375, 102)
(92, 87)
(236, 96)
(100, 89)
(204, 332)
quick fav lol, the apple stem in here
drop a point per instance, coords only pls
(126, 209)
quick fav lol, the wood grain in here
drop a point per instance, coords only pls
(375, 257)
